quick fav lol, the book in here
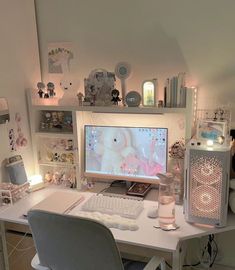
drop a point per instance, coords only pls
(60, 202)
(173, 91)
(167, 93)
(181, 84)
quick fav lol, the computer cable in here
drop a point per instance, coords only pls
(211, 249)
(102, 190)
(185, 265)
(16, 246)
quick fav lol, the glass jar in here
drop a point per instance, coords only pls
(166, 201)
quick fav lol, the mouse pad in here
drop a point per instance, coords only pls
(59, 202)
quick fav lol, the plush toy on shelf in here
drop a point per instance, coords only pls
(68, 86)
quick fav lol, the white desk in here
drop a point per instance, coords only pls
(146, 236)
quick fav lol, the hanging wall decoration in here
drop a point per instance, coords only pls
(21, 139)
(59, 57)
(11, 135)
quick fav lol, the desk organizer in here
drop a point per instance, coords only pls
(10, 193)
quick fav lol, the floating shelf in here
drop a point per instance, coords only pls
(55, 134)
(111, 109)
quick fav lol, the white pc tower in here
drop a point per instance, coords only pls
(206, 184)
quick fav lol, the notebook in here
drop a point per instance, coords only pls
(59, 202)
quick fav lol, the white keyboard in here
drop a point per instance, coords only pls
(124, 207)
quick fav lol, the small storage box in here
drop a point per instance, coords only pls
(10, 193)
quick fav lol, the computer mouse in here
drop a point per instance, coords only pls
(152, 212)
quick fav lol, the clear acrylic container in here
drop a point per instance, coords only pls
(166, 202)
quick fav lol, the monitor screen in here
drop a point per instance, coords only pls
(125, 152)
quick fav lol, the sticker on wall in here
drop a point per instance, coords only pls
(11, 135)
(20, 140)
(59, 57)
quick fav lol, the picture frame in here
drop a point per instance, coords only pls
(98, 87)
(211, 130)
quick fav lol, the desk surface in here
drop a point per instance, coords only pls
(146, 236)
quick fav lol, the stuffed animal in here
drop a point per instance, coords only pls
(114, 148)
(68, 86)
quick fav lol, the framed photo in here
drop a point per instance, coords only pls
(210, 130)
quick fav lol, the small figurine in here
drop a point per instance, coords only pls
(50, 89)
(55, 120)
(215, 117)
(86, 101)
(80, 97)
(48, 177)
(221, 113)
(93, 92)
(115, 96)
(69, 146)
(46, 95)
(60, 115)
(41, 87)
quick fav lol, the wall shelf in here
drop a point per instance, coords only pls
(56, 164)
(54, 134)
(111, 109)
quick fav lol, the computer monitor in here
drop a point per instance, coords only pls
(135, 154)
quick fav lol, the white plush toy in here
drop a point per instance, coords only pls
(68, 86)
(115, 146)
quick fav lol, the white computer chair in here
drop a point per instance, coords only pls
(66, 242)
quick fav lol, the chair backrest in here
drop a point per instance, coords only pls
(66, 242)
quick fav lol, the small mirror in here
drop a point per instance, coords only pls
(4, 111)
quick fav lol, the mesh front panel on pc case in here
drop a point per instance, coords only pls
(206, 185)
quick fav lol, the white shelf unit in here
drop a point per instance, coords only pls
(112, 115)
(55, 149)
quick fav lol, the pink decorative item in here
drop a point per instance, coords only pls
(20, 140)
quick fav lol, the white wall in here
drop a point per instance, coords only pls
(19, 69)
(158, 38)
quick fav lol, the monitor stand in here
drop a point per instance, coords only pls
(117, 187)
(126, 188)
